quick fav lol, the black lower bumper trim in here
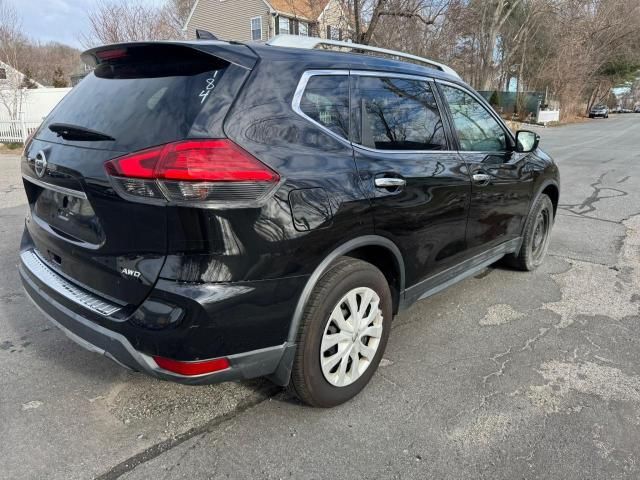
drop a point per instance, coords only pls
(115, 346)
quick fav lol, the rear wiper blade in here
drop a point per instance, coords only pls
(75, 132)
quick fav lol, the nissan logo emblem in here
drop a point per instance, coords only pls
(40, 164)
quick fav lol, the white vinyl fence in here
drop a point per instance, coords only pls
(16, 131)
(34, 105)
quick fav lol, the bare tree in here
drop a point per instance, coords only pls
(178, 12)
(114, 21)
(12, 42)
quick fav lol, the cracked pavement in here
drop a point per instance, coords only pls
(504, 375)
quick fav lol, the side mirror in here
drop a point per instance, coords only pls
(526, 141)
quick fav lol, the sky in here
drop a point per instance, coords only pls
(56, 20)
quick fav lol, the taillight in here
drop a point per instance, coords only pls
(192, 171)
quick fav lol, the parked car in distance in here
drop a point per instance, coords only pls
(636, 109)
(206, 211)
(600, 111)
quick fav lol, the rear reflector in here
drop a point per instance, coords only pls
(192, 368)
(193, 170)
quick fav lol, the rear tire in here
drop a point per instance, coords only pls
(335, 358)
(535, 240)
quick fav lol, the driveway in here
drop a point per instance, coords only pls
(505, 375)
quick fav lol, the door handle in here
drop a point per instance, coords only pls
(390, 182)
(481, 178)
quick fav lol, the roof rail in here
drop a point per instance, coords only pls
(295, 41)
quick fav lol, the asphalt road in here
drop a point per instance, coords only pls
(505, 375)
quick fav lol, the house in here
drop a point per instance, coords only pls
(260, 20)
(11, 78)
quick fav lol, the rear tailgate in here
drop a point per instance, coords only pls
(140, 95)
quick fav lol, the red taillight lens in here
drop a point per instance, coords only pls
(192, 368)
(137, 165)
(193, 170)
(211, 161)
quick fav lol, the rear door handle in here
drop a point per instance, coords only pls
(481, 178)
(390, 182)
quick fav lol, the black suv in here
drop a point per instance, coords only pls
(206, 211)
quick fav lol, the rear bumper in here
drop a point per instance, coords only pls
(116, 346)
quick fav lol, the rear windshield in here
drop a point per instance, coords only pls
(143, 99)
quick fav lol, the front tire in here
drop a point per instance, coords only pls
(535, 240)
(343, 335)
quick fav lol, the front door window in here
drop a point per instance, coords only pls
(477, 130)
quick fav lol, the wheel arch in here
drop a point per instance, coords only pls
(553, 192)
(550, 188)
(379, 251)
(363, 248)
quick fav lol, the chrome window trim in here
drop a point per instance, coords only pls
(297, 99)
(378, 73)
(490, 111)
(56, 188)
(402, 76)
(302, 85)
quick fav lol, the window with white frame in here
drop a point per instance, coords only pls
(303, 29)
(283, 25)
(334, 33)
(256, 28)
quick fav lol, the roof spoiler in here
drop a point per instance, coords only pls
(237, 54)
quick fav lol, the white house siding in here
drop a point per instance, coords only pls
(333, 16)
(229, 19)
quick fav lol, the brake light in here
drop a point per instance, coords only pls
(192, 170)
(111, 54)
(192, 368)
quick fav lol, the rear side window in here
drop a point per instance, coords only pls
(326, 101)
(142, 99)
(397, 114)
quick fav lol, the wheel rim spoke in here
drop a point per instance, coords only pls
(329, 362)
(353, 309)
(342, 369)
(338, 317)
(355, 365)
(374, 331)
(330, 341)
(367, 351)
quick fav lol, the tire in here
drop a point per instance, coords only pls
(319, 386)
(535, 240)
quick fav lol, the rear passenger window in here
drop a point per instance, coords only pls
(397, 114)
(326, 101)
